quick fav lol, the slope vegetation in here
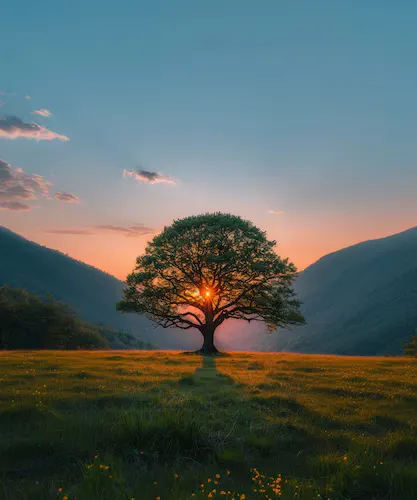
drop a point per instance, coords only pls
(91, 292)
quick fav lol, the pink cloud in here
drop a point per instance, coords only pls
(12, 127)
(14, 205)
(42, 112)
(17, 186)
(149, 177)
(276, 211)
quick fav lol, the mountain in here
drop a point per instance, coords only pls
(91, 292)
(359, 300)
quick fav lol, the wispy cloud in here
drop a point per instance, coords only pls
(27, 97)
(149, 177)
(12, 127)
(67, 197)
(14, 205)
(75, 232)
(16, 185)
(42, 112)
(276, 211)
(132, 231)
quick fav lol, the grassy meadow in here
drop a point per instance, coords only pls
(117, 425)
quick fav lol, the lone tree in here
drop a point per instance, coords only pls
(205, 269)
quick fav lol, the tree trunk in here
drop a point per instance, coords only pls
(208, 346)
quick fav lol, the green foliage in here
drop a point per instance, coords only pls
(89, 291)
(29, 322)
(411, 348)
(206, 269)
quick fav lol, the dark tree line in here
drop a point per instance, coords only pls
(30, 322)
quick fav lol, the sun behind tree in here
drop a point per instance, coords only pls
(205, 269)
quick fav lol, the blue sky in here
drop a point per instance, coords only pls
(307, 107)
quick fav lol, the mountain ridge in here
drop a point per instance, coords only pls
(361, 299)
(367, 291)
(91, 292)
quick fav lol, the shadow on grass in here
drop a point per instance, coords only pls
(207, 376)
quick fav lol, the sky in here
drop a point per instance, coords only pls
(118, 117)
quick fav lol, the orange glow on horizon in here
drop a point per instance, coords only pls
(303, 238)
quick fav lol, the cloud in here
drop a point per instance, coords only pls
(14, 205)
(6, 172)
(132, 231)
(16, 185)
(12, 127)
(67, 197)
(77, 232)
(276, 211)
(149, 177)
(28, 97)
(42, 112)
(129, 231)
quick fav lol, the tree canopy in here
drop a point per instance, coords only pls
(205, 269)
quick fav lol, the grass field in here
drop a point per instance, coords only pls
(147, 425)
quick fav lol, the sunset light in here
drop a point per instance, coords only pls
(208, 241)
